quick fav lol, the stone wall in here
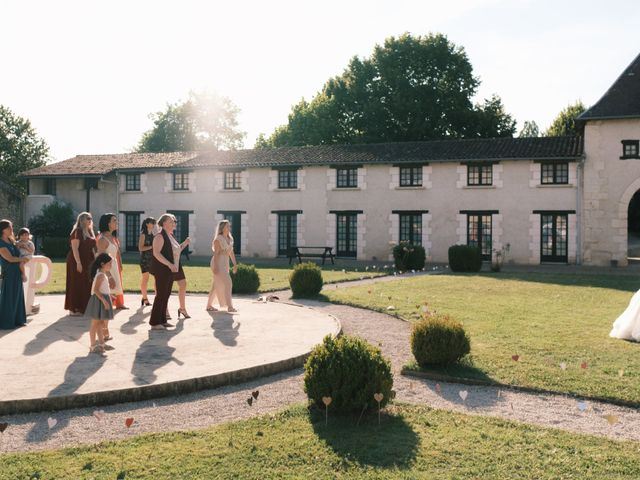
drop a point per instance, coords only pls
(11, 205)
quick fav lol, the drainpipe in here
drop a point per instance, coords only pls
(579, 202)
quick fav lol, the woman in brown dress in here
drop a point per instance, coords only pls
(163, 266)
(81, 255)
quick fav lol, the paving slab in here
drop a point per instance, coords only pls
(47, 365)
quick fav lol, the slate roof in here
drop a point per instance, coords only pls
(98, 165)
(488, 149)
(622, 100)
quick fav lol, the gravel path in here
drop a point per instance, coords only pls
(199, 410)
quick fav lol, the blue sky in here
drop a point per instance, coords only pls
(88, 74)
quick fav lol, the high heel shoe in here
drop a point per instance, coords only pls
(183, 313)
(145, 302)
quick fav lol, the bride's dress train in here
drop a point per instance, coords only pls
(627, 325)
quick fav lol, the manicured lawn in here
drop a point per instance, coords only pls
(411, 442)
(546, 319)
(199, 277)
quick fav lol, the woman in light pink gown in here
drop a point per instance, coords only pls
(222, 252)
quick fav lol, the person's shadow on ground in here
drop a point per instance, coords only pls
(224, 329)
(154, 353)
(67, 328)
(139, 317)
(76, 374)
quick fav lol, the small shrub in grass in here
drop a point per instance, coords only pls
(350, 371)
(409, 257)
(246, 279)
(465, 258)
(437, 339)
(306, 280)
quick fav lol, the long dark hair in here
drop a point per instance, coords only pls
(4, 224)
(103, 226)
(145, 222)
(99, 262)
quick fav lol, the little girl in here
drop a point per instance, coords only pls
(24, 243)
(99, 308)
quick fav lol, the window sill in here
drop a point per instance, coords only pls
(555, 185)
(140, 191)
(478, 187)
(630, 157)
(411, 188)
(348, 189)
(297, 189)
(172, 191)
(231, 190)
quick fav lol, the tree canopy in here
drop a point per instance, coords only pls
(529, 129)
(205, 121)
(565, 122)
(411, 88)
(21, 148)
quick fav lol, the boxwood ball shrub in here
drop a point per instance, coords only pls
(465, 258)
(306, 280)
(350, 371)
(409, 257)
(246, 279)
(437, 339)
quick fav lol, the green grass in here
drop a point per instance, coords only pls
(547, 319)
(411, 442)
(199, 277)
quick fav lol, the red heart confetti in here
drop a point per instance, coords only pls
(3, 427)
(515, 358)
(128, 422)
(583, 365)
(255, 394)
(250, 401)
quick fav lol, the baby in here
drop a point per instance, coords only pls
(24, 243)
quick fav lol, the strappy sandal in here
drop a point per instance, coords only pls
(212, 309)
(96, 349)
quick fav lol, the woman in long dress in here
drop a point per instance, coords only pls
(145, 248)
(107, 243)
(79, 259)
(12, 309)
(627, 325)
(222, 252)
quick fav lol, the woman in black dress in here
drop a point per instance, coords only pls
(146, 254)
(163, 266)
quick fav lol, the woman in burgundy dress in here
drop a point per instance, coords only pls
(81, 255)
(164, 264)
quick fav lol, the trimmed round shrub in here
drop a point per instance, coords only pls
(306, 280)
(55, 247)
(409, 257)
(465, 258)
(246, 279)
(438, 340)
(350, 371)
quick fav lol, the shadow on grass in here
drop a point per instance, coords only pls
(393, 443)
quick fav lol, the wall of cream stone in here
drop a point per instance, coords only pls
(609, 184)
(517, 194)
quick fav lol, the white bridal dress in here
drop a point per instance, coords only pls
(627, 325)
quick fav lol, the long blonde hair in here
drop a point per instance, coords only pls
(220, 228)
(86, 232)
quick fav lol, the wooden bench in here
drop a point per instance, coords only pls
(311, 252)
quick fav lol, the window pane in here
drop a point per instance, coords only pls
(487, 175)
(547, 234)
(132, 230)
(562, 173)
(547, 173)
(347, 177)
(287, 232)
(473, 175)
(287, 179)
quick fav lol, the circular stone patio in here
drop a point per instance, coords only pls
(47, 365)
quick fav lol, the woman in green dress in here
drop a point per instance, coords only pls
(12, 309)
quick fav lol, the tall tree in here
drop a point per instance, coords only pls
(205, 121)
(20, 146)
(530, 129)
(411, 88)
(565, 122)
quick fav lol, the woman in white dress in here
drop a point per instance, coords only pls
(627, 325)
(107, 243)
(222, 252)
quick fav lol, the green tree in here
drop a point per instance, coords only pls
(205, 121)
(565, 122)
(530, 129)
(411, 88)
(21, 148)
